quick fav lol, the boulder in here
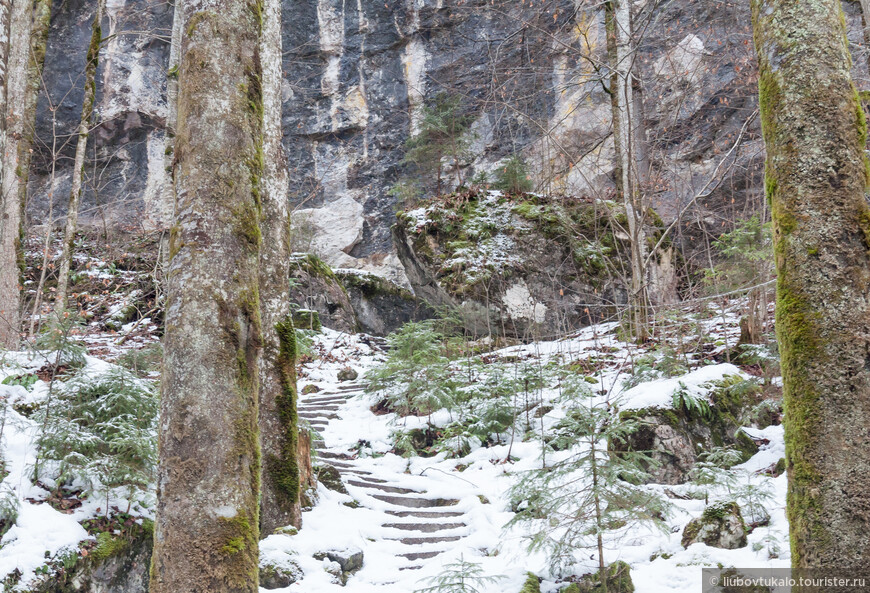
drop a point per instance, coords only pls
(618, 581)
(720, 526)
(528, 265)
(279, 574)
(675, 437)
(341, 563)
(347, 374)
(330, 478)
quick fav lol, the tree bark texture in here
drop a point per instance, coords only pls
(625, 136)
(816, 179)
(207, 527)
(279, 436)
(75, 194)
(28, 35)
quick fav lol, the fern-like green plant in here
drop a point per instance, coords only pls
(691, 404)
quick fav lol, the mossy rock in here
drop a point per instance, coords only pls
(618, 581)
(674, 437)
(347, 374)
(307, 319)
(532, 584)
(277, 575)
(720, 526)
(309, 389)
(330, 478)
(119, 563)
(500, 253)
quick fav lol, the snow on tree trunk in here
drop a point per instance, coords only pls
(625, 133)
(816, 179)
(207, 527)
(278, 419)
(28, 34)
(75, 194)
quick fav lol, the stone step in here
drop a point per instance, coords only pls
(337, 399)
(415, 503)
(375, 480)
(347, 470)
(350, 387)
(330, 455)
(390, 489)
(417, 567)
(421, 555)
(317, 416)
(424, 527)
(417, 541)
(426, 514)
(309, 407)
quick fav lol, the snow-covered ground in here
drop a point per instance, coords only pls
(443, 508)
(479, 484)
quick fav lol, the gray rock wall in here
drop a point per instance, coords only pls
(356, 77)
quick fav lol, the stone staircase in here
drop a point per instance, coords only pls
(423, 526)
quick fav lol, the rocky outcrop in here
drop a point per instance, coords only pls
(118, 564)
(720, 526)
(357, 75)
(381, 306)
(675, 437)
(315, 287)
(522, 266)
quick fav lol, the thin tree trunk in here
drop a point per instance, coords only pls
(165, 208)
(28, 27)
(865, 26)
(207, 527)
(75, 194)
(619, 41)
(5, 16)
(816, 177)
(278, 418)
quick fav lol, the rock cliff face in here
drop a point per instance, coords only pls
(357, 75)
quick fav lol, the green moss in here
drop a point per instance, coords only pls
(284, 469)
(108, 546)
(240, 535)
(532, 584)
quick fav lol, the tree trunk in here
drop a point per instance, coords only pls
(5, 16)
(165, 208)
(28, 35)
(207, 527)
(816, 178)
(620, 51)
(279, 436)
(75, 194)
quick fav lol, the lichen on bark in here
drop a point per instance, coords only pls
(207, 527)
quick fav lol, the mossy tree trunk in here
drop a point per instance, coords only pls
(278, 419)
(75, 194)
(629, 159)
(207, 527)
(816, 179)
(28, 35)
